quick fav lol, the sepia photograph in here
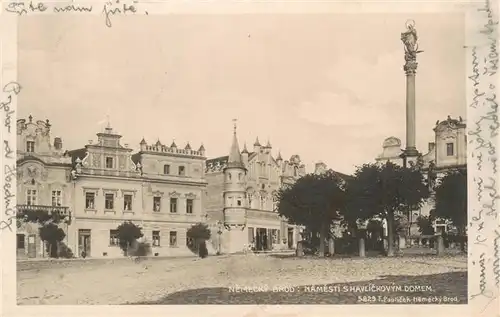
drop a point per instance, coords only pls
(258, 159)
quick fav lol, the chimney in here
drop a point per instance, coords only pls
(432, 146)
(58, 143)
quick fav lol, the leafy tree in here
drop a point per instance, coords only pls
(199, 233)
(51, 234)
(49, 230)
(313, 201)
(128, 233)
(424, 224)
(451, 200)
(386, 191)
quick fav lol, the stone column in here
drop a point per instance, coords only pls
(410, 114)
(409, 39)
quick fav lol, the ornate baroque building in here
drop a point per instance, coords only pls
(447, 151)
(43, 182)
(160, 188)
(240, 198)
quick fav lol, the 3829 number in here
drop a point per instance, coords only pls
(367, 299)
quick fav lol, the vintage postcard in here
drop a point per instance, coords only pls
(249, 158)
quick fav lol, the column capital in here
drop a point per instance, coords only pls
(410, 67)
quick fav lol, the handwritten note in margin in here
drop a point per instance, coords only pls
(483, 128)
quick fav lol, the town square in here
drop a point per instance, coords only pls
(243, 160)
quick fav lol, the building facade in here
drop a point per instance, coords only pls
(241, 204)
(43, 182)
(160, 188)
(448, 151)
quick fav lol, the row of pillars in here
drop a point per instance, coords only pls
(362, 249)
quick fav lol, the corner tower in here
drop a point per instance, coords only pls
(234, 239)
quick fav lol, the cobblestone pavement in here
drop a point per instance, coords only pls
(247, 279)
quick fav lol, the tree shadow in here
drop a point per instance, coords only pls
(371, 254)
(449, 285)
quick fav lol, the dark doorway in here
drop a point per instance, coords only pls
(84, 241)
(261, 239)
(290, 238)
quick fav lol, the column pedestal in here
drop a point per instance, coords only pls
(234, 239)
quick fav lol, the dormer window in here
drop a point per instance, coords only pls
(449, 149)
(109, 162)
(30, 146)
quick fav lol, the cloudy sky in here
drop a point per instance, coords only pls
(328, 87)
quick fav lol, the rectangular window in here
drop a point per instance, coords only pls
(56, 198)
(166, 169)
(238, 202)
(189, 206)
(173, 238)
(173, 205)
(127, 202)
(89, 200)
(275, 235)
(156, 238)
(109, 200)
(30, 146)
(157, 204)
(20, 241)
(109, 162)
(449, 149)
(113, 238)
(182, 170)
(31, 197)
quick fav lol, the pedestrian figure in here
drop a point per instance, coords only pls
(202, 250)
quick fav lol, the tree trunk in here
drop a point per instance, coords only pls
(361, 246)
(331, 246)
(462, 239)
(390, 233)
(322, 237)
(300, 249)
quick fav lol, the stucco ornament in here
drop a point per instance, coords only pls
(31, 171)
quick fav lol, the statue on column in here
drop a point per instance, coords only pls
(409, 39)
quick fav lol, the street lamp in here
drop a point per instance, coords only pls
(219, 232)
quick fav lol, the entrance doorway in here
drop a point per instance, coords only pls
(290, 238)
(84, 241)
(32, 246)
(261, 239)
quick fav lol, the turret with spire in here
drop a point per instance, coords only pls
(202, 150)
(244, 155)
(256, 146)
(234, 199)
(279, 160)
(268, 147)
(143, 144)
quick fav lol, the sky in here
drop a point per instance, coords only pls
(328, 87)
